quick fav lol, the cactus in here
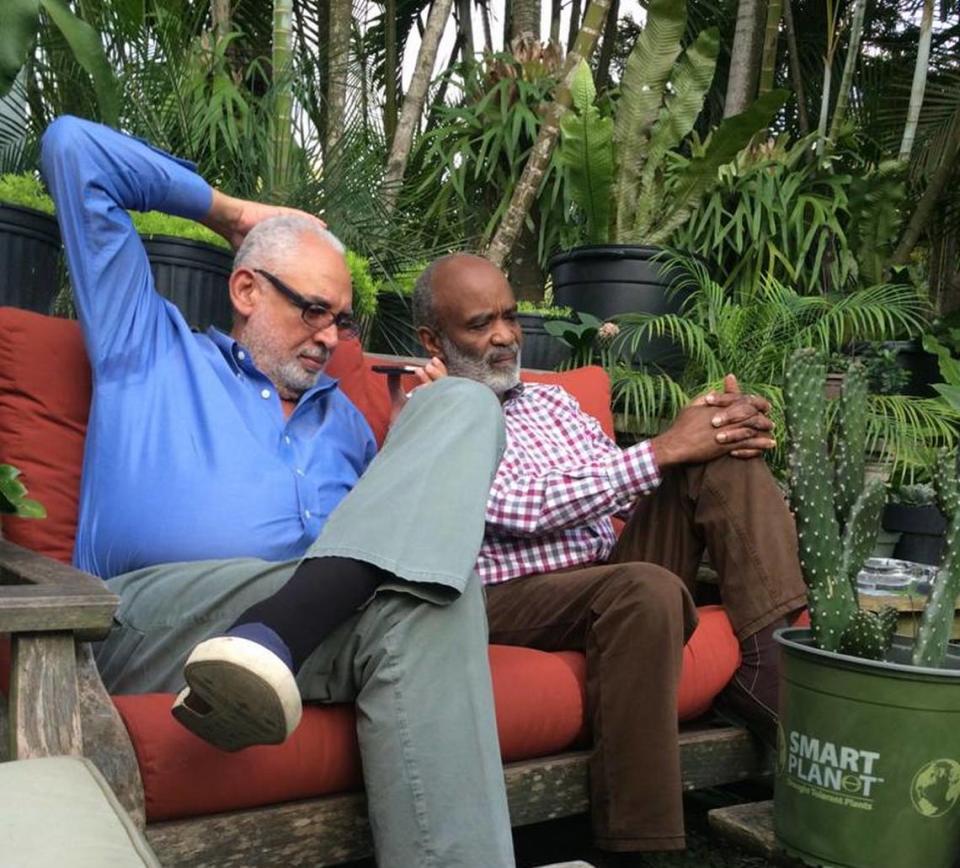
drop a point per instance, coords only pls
(837, 518)
(934, 633)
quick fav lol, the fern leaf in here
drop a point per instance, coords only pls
(586, 150)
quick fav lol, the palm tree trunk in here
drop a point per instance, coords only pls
(341, 20)
(919, 80)
(413, 101)
(745, 56)
(574, 27)
(768, 65)
(525, 15)
(220, 13)
(832, 28)
(487, 30)
(609, 43)
(282, 133)
(803, 121)
(391, 69)
(465, 27)
(556, 8)
(935, 187)
(526, 190)
(849, 67)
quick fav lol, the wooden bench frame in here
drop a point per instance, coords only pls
(58, 705)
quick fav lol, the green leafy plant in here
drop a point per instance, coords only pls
(152, 223)
(25, 190)
(365, 288)
(544, 309)
(580, 336)
(13, 495)
(753, 333)
(838, 520)
(22, 21)
(884, 375)
(949, 389)
(914, 494)
(626, 174)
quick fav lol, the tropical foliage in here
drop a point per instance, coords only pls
(625, 174)
(754, 333)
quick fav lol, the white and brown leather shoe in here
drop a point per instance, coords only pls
(238, 694)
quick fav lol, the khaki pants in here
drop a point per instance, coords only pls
(414, 659)
(631, 617)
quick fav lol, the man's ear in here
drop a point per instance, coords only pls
(243, 291)
(430, 340)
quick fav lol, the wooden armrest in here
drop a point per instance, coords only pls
(39, 594)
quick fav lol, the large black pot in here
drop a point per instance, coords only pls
(195, 277)
(923, 367)
(392, 331)
(922, 528)
(30, 258)
(541, 350)
(610, 279)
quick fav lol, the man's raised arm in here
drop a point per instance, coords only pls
(94, 175)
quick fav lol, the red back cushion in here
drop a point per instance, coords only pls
(44, 400)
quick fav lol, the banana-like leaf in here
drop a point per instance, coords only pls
(690, 82)
(586, 150)
(84, 41)
(18, 29)
(701, 173)
(641, 94)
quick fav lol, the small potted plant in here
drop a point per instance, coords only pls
(867, 764)
(30, 257)
(629, 175)
(913, 513)
(191, 266)
(541, 348)
(392, 330)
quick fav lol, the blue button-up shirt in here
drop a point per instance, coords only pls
(188, 454)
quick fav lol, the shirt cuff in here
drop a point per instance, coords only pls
(634, 470)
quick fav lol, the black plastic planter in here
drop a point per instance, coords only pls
(30, 258)
(610, 279)
(922, 529)
(541, 350)
(392, 331)
(195, 277)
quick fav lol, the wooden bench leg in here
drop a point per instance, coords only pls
(44, 706)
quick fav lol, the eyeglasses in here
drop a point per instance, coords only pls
(315, 315)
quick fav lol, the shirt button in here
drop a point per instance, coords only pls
(299, 472)
(286, 439)
(306, 513)
(265, 393)
(241, 355)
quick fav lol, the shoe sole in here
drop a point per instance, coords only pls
(238, 694)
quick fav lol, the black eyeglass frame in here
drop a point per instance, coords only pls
(320, 315)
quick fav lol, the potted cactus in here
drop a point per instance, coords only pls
(868, 765)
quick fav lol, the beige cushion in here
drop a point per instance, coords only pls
(60, 811)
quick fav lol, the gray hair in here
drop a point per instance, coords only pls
(274, 240)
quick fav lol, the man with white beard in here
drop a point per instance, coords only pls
(558, 578)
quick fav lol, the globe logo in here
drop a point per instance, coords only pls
(936, 787)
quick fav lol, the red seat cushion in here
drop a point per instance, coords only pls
(540, 706)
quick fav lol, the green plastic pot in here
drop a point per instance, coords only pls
(868, 759)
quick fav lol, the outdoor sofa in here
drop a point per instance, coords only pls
(299, 803)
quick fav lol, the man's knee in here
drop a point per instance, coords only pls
(649, 593)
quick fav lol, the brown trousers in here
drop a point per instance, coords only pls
(631, 617)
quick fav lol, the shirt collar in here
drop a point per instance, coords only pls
(514, 392)
(238, 357)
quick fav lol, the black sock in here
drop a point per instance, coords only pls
(320, 595)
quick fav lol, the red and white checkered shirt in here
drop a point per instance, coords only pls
(559, 482)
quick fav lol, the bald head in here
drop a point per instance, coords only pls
(466, 315)
(452, 280)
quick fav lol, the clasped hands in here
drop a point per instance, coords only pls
(716, 424)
